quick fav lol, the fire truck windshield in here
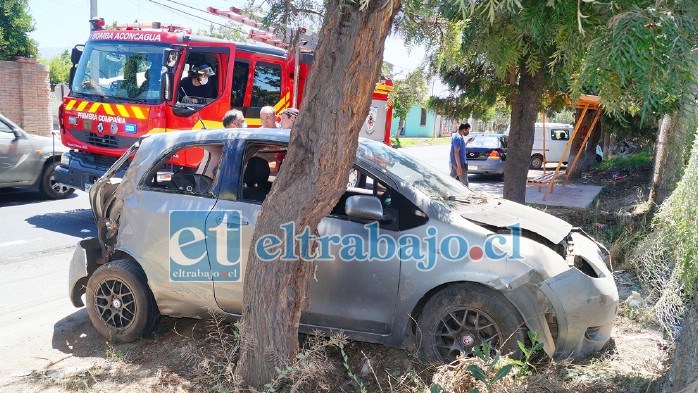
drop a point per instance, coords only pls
(120, 72)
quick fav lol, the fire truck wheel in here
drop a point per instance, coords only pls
(48, 186)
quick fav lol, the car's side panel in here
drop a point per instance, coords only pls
(17, 157)
(144, 234)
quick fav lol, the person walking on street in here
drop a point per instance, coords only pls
(459, 164)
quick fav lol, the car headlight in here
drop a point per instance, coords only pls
(65, 160)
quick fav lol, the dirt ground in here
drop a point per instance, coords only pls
(185, 355)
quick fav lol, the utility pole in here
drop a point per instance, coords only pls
(93, 11)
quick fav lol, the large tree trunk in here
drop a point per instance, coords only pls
(669, 158)
(314, 176)
(588, 156)
(524, 111)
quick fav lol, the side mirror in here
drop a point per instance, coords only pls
(364, 206)
(71, 76)
(166, 86)
(76, 53)
(170, 58)
(183, 110)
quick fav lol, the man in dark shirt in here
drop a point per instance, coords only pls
(197, 87)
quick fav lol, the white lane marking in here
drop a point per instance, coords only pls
(18, 242)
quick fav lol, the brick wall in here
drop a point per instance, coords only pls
(24, 95)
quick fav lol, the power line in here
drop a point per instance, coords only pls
(192, 15)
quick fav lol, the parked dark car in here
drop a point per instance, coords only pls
(486, 153)
(28, 160)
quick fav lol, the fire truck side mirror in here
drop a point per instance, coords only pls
(76, 53)
(166, 86)
(170, 59)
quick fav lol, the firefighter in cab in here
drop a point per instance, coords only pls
(198, 88)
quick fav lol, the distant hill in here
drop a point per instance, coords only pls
(48, 53)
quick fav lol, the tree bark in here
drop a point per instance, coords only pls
(524, 111)
(668, 158)
(314, 176)
(588, 156)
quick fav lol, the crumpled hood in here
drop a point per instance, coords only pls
(503, 213)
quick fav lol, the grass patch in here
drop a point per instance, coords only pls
(641, 158)
(413, 142)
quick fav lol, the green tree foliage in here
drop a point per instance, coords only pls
(15, 26)
(643, 63)
(409, 92)
(59, 68)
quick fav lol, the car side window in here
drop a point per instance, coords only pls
(559, 135)
(362, 183)
(6, 130)
(191, 170)
(261, 164)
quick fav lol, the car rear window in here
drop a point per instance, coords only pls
(490, 141)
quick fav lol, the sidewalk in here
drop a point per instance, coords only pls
(577, 196)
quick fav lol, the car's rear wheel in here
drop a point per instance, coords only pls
(119, 302)
(49, 187)
(462, 317)
(536, 161)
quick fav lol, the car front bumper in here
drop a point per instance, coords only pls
(82, 265)
(82, 169)
(585, 306)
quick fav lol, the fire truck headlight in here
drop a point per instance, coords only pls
(73, 120)
(65, 160)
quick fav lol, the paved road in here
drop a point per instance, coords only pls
(437, 156)
(38, 324)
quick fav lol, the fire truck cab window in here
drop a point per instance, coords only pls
(199, 82)
(266, 89)
(120, 72)
(241, 72)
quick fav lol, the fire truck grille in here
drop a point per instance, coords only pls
(104, 140)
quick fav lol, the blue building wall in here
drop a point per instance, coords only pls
(413, 129)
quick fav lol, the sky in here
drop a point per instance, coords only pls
(64, 23)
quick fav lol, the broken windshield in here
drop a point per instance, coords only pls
(425, 178)
(120, 72)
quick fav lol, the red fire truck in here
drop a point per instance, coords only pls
(128, 83)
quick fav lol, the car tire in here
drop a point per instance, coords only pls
(462, 317)
(48, 186)
(536, 161)
(120, 304)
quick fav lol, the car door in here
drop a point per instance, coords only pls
(163, 223)
(347, 293)
(16, 161)
(352, 292)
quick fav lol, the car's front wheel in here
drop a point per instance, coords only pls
(119, 302)
(48, 186)
(462, 317)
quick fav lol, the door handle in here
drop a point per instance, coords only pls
(242, 222)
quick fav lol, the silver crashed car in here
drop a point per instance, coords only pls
(440, 264)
